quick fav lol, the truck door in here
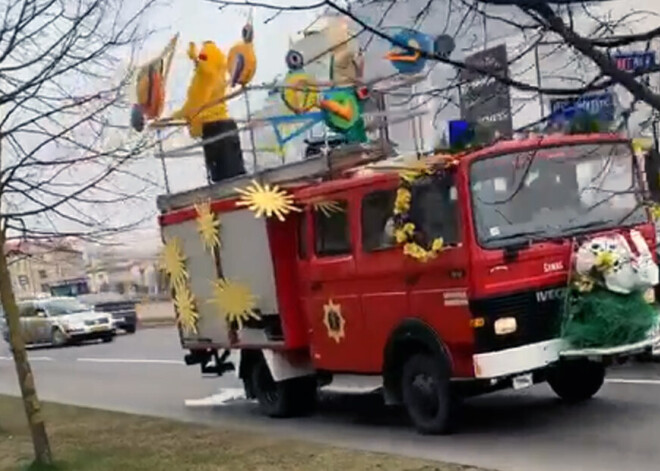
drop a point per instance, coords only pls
(380, 273)
(333, 304)
(438, 289)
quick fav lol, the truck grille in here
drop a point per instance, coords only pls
(100, 321)
(537, 313)
(114, 308)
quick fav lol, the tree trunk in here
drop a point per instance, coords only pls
(31, 403)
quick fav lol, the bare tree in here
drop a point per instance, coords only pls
(64, 152)
(536, 22)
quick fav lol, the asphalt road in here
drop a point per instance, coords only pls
(510, 431)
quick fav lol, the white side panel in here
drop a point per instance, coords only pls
(245, 256)
(202, 272)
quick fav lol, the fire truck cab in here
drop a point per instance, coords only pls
(341, 306)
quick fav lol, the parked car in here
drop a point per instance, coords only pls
(61, 320)
(120, 307)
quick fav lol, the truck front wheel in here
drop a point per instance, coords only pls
(290, 398)
(427, 394)
(576, 381)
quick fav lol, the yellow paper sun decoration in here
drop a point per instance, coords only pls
(234, 301)
(416, 170)
(328, 207)
(172, 261)
(208, 226)
(266, 200)
(187, 316)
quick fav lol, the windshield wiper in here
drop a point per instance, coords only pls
(537, 235)
(586, 225)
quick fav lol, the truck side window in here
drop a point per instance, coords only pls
(434, 210)
(331, 230)
(302, 236)
(377, 223)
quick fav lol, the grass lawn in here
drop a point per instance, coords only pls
(92, 440)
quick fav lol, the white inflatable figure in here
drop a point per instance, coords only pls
(623, 272)
(647, 269)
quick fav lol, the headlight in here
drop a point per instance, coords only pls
(72, 325)
(649, 295)
(505, 325)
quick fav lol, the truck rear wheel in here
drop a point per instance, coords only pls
(290, 398)
(427, 394)
(576, 381)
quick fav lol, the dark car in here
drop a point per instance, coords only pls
(121, 308)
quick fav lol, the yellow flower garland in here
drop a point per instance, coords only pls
(404, 231)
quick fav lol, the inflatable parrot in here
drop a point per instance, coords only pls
(412, 62)
(241, 60)
(205, 99)
(150, 87)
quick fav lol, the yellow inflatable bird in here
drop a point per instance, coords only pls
(242, 59)
(205, 100)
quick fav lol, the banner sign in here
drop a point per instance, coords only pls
(635, 61)
(484, 100)
(600, 105)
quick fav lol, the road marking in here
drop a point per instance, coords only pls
(130, 360)
(223, 398)
(633, 381)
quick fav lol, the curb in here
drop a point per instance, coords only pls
(155, 323)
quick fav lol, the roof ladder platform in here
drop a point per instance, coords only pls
(338, 160)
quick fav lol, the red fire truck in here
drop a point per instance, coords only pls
(340, 306)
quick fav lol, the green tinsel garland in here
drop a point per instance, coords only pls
(602, 318)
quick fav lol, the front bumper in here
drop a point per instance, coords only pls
(90, 333)
(122, 320)
(542, 354)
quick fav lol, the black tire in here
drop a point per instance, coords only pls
(108, 338)
(130, 329)
(290, 398)
(427, 394)
(58, 338)
(576, 381)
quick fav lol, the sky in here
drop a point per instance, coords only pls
(198, 21)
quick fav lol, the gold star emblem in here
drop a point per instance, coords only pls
(334, 321)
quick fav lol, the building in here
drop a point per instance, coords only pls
(441, 94)
(35, 265)
(120, 271)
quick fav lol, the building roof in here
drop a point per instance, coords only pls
(32, 247)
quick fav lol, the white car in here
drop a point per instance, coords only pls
(61, 320)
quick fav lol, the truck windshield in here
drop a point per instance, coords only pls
(73, 288)
(554, 192)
